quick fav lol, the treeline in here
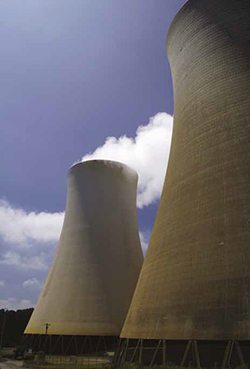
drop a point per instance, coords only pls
(12, 325)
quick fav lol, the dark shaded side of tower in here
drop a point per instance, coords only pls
(195, 281)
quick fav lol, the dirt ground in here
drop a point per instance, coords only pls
(11, 364)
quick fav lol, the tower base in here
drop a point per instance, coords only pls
(192, 353)
(70, 345)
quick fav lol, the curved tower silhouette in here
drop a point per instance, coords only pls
(195, 282)
(98, 259)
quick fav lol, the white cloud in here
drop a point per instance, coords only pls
(12, 258)
(2, 283)
(147, 153)
(21, 227)
(14, 304)
(32, 283)
(144, 238)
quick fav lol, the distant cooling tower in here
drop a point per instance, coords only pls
(192, 300)
(97, 263)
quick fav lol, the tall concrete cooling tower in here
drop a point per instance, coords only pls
(193, 293)
(98, 259)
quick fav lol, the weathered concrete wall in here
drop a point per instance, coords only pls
(195, 281)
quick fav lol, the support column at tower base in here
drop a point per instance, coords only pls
(188, 353)
(69, 345)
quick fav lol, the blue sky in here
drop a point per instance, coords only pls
(74, 73)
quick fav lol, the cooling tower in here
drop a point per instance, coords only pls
(194, 287)
(98, 259)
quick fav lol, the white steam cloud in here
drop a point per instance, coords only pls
(147, 153)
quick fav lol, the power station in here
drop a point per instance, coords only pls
(192, 301)
(85, 299)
